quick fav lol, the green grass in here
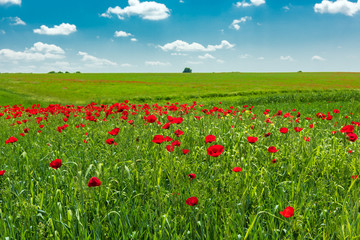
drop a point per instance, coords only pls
(139, 177)
(110, 88)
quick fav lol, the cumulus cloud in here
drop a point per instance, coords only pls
(286, 58)
(148, 10)
(260, 58)
(181, 46)
(133, 40)
(38, 52)
(207, 56)
(317, 58)
(16, 2)
(94, 61)
(235, 23)
(339, 6)
(157, 63)
(16, 21)
(62, 29)
(245, 56)
(252, 3)
(122, 34)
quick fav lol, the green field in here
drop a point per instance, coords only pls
(145, 185)
(110, 88)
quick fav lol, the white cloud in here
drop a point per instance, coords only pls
(193, 63)
(133, 40)
(46, 48)
(286, 8)
(16, 2)
(94, 61)
(122, 34)
(339, 6)
(235, 23)
(244, 56)
(157, 63)
(181, 1)
(62, 29)
(126, 65)
(181, 46)
(317, 58)
(178, 54)
(252, 3)
(146, 10)
(206, 56)
(2, 32)
(38, 52)
(220, 61)
(260, 58)
(16, 21)
(286, 58)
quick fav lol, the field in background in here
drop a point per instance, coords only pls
(109, 88)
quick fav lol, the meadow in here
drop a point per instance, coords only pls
(253, 162)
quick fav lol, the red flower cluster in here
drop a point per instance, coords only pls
(11, 140)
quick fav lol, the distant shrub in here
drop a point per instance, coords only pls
(300, 71)
(77, 72)
(60, 72)
(187, 70)
(51, 72)
(66, 72)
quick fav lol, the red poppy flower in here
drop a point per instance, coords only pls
(178, 120)
(167, 139)
(158, 139)
(192, 201)
(336, 111)
(349, 151)
(192, 176)
(55, 164)
(348, 129)
(179, 132)
(11, 139)
(333, 132)
(252, 139)
(65, 119)
(272, 149)
(94, 182)
(237, 169)
(170, 148)
(111, 141)
(267, 134)
(22, 134)
(288, 212)
(352, 137)
(86, 141)
(2, 172)
(273, 161)
(311, 126)
(298, 129)
(151, 119)
(26, 130)
(284, 130)
(354, 177)
(114, 132)
(185, 151)
(166, 126)
(215, 150)
(209, 139)
(307, 139)
(41, 126)
(176, 143)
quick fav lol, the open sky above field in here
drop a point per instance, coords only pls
(166, 36)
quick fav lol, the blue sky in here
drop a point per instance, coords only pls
(166, 36)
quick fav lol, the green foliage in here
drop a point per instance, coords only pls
(136, 200)
(106, 87)
(187, 70)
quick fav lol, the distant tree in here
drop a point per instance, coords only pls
(300, 71)
(66, 72)
(77, 72)
(51, 72)
(187, 70)
(60, 72)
